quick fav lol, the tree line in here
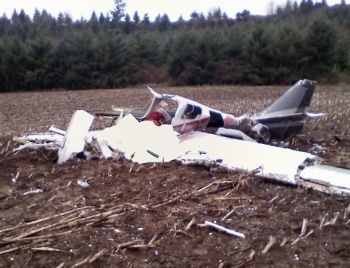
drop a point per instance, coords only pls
(306, 40)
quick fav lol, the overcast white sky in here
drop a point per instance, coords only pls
(174, 8)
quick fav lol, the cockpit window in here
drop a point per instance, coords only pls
(191, 112)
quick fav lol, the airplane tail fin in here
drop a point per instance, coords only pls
(288, 113)
(295, 100)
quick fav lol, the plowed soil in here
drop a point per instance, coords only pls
(118, 214)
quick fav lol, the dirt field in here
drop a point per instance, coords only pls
(148, 216)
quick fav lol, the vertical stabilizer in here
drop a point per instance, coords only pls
(294, 101)
(287, 114)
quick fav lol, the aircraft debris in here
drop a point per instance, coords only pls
(83, 184)
(74, 139)
(221, 228)
(15, 177)
(34, 191)
(317, 149)
(286, 116)
(197, 134)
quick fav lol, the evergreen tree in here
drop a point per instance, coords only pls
(111, 58)
(146, 20)
(102, 19)
(93, 22)
(319, 49)
(163, 22)
(39, 56)
(136, 17)
(127, 26)
(119, 11)
(243, 15)
(4, 24)
(20, 24)
(14, 64)
(310, 41)
(306, 6)
(194, 15)
(60, 19)
(259, 56)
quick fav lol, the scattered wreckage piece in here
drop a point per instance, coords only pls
(244, 156)
(52, 139)
(222, 229)
(333, 178)
(33, 191)
(74, 140)
(156, 136)
(32, 145)
(276, 163)
(144, 142)
(141, 142)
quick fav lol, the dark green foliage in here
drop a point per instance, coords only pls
(146, 20)
(243, 15)
(38, 74)
(4, 25)
(110, 60)
(118, 12)
(164, 23)
(136, 17)
(310, 40)
(93, 22)
(319, 49)
(259, 54)
(306, 6)
(14, 62)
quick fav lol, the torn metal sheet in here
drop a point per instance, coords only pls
(281, 164)
(52, 139)
(74, 141)
(30, 145)
(45, 137)
(104, 149)
(337, 180)
(272, 162)
(56, 130)
(141, 142)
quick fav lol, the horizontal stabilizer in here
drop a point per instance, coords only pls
(234, 134)
(315, 116)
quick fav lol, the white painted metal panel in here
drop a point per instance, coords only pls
(75, 135)
(275, 162)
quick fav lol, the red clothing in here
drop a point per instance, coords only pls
(156, 117)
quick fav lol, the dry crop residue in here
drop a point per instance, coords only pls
(126, 215)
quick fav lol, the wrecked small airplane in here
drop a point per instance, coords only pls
(285, 117)
(175, 128)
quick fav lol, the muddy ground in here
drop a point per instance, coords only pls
(126, 215)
